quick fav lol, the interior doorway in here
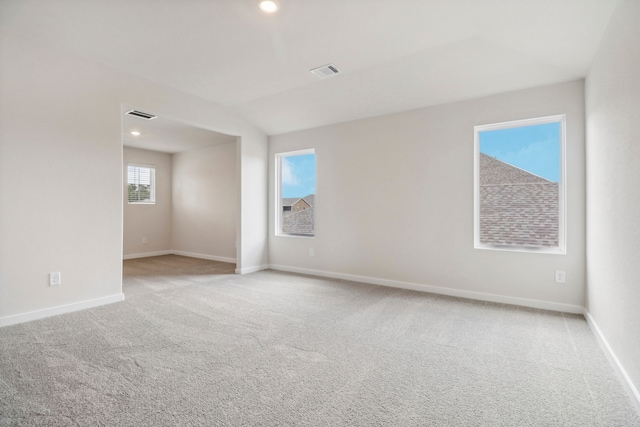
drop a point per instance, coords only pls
(180, 189)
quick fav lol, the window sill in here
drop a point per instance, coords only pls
(296, 236)
(549, 251)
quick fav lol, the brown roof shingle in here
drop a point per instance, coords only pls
(517, 208)
(299, 222)
(494, 171)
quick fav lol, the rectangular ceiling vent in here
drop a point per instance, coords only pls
(140, 114)
(325, 71)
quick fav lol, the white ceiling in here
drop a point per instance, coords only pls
(169, 136)
(394, 55)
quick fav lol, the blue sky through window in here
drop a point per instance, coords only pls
(298, 175)
(535, 149)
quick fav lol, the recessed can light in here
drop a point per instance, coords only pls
(269, 6)
(135, 133)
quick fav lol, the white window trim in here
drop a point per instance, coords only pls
(278, 192)
(153, 186)
(561, 249)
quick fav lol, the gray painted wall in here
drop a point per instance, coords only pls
(196, 209)
(394, 202)
(205, 202)
(152, 221)
(60, 119)
(613, 188)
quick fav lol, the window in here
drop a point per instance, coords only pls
(520, 185)
(295, 193)
(141, 184)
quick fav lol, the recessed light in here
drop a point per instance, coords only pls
(269, 6)
(135, 133)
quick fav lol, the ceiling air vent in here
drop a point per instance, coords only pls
(325, 71)
(140, 114)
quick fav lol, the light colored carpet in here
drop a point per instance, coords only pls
(194, 345)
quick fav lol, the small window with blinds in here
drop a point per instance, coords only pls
(141, 184)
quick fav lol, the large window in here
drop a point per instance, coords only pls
(141, 183)
(520, 185)
(295, 193)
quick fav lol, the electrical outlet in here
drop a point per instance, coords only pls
(144, 240)
(312, 252)
(55, 279)
(561, 276)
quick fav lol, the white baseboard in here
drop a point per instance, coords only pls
(545, 305)
(630, 388)
(203, 256)
(187, 254)
(146, 254)
(61, 309)
(251, 269)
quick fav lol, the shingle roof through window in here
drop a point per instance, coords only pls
(517, 208)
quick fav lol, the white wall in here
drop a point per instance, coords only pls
(205, 202)
(196, 211)
(150, 221)
(60, 120)
(253, 207)
(394, 203)
(613, 189)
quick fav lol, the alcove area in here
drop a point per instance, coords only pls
(180, 190)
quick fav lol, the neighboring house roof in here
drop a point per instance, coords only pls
(517, 208)
(302, 202)
(300, 222)
(289, 201)
(310, 198)
(494, 171)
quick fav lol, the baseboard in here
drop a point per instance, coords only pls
(61, 309)
(251, 269)
(545, 305)
(147, 254)
(630, 388)
(203, 256)
(187, 254)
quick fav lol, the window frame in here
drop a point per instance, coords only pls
(561, 249)
(278, 192)
(152, 201)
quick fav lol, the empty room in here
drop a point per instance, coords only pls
(320, 213)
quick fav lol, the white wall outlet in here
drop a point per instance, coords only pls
(312, 252)
(144, 240)
(55, 279)
(561, 276)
